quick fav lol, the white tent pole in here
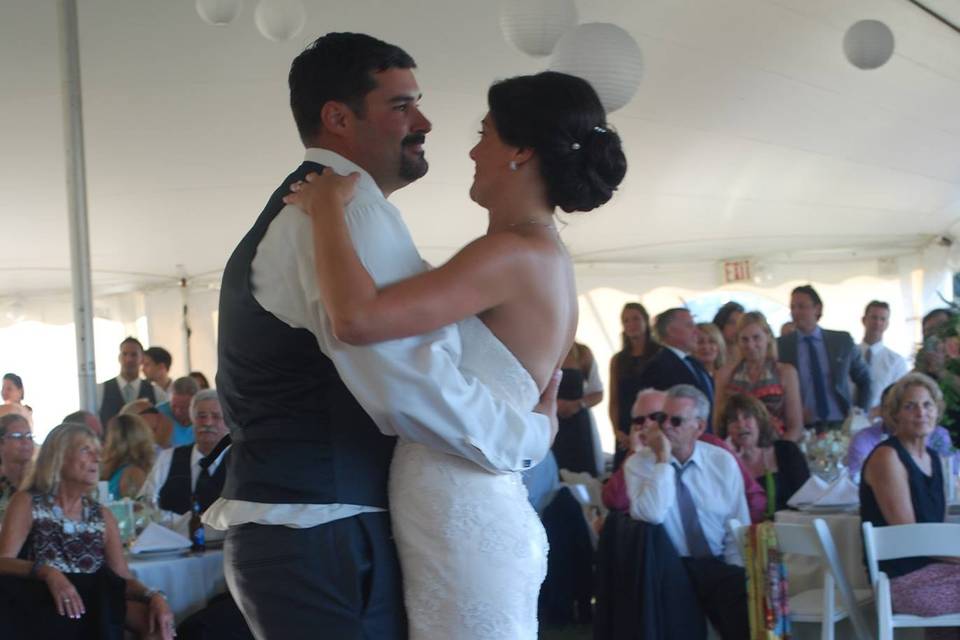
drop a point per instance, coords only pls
(77, 202)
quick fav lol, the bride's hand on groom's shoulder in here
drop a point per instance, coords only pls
(325, 193)
(548, 403)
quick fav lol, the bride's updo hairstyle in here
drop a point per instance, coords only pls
(560, 117)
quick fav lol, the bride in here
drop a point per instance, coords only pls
(472, 550)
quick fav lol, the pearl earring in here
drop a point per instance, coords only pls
(513, 165)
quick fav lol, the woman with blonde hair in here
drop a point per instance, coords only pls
(902, 483)
(73, 563)
(711, 350)
(128, 454)
(758, 374)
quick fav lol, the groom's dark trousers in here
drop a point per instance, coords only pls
(339, 580)
(300, 439)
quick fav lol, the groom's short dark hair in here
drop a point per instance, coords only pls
(340, 67)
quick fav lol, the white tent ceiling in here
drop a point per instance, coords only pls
(750, 135)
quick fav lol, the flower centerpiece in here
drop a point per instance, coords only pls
(825, 452)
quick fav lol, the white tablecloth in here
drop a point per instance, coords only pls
(189, 581)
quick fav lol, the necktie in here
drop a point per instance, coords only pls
(696, 542)
(819, 382)
(706, 384)
(129, 395)
(868, 354)
(206, 491)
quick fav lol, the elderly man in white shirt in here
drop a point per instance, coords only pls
(886, 365)
(185, 474)
(693, 489)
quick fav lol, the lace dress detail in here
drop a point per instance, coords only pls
(70, 546)
(472, 549)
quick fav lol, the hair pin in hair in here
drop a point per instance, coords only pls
(599, 129)
(575, 146)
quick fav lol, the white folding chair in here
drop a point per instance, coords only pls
(818, 605)
(905, 541)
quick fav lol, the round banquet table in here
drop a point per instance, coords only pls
(188, 580)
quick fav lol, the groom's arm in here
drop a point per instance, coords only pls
(410, 387)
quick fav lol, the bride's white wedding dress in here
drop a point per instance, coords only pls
(472, 549)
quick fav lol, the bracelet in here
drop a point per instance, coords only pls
(149, 593)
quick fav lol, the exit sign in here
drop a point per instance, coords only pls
(737, 271)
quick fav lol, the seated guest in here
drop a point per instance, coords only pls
(89, 419)
(16, 452)
(711, 350)
(73, 580)
(759, 374)
(864, 441)
(649, 408)
(160, 425)
(778, 465)
(187, 472)
(694, 489)
(902, 484)
(177, 408)
(128, 455)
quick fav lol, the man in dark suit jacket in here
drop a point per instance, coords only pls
(673, 364)
(826, 361)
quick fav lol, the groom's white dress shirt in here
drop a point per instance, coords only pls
(411, 387)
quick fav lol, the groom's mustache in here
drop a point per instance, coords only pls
(414, 138)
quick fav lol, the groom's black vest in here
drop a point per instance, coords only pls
(298, 435)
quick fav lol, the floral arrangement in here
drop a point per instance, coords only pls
(825, 452)
(939, 357)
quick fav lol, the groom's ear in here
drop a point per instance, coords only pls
(335, 117)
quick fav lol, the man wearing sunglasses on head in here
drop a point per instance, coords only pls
(693, 489)
(647, 410)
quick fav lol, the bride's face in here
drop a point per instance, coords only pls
(491, 158)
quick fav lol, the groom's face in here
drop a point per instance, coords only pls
(388, 140)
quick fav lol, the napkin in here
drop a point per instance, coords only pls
(158, 538)
(841, 492)
(809, 492)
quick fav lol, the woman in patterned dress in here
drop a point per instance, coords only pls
(60, 553)
(758, 374)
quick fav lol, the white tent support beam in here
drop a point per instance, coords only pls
(77, 202)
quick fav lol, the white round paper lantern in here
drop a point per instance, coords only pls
(534, 26)
(868, 44)
(280, 20)
(218, 12)
(604, 55)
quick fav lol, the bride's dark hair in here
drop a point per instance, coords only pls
(560, 117)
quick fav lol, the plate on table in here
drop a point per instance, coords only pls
(830, 508)
(159, 553)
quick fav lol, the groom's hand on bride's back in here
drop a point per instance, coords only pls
(548, 403)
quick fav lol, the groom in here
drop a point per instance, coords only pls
(309, 548)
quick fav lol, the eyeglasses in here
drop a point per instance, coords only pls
(656, 416)
(676, 421)
(19, 437)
